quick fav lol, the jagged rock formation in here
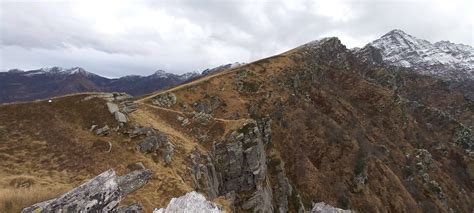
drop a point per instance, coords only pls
(165, 100)
(118, 104)
(191, 202)
(100, 194)
(236, 165)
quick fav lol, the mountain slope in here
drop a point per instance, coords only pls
(442, 59)
(314, 124)
(339, 137)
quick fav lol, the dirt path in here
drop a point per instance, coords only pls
(145, 117)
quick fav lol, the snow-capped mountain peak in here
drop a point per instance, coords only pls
(442, 59)
(60, 71)
(188, 75)
(160, 74)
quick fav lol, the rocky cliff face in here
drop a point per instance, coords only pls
(339, 130)
(236, 166)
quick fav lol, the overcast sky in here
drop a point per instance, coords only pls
(115, 38)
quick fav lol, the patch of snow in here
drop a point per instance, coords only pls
(58, 71)
(188, 75)
(32, 73)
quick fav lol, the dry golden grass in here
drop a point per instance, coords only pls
(15, 199)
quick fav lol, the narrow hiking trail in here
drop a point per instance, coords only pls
(145, 117)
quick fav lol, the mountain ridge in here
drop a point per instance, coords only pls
(443, 59)
(314, 124)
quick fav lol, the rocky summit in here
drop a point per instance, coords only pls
(319, 128)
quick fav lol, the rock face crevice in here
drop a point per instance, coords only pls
(236, 165)
(100, 194)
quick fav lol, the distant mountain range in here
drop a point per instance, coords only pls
(18, 85)
(443, 60)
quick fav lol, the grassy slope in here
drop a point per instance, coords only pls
(325, 125)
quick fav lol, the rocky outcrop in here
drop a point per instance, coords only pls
(204, 174)
(208, 104)
(236, 165)
(165, 100)
(120, 117)
(118, 104)
(110, 97)
(112, 107)
(245, 84)
(463, 136)
(101, 131)
(138, 131)
(191, 202)
(183, 120)
(136, 166)
(128, 107)
(202, 117)
(264, 125)
(134, 208)
(157, 143)
(100, 194)
(322, 207)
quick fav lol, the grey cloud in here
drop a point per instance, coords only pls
(185, 35)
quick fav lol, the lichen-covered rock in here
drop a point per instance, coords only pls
(236, 165)
(191, 202)
(157, 142)
(322, 207)
(120, 117)
(112, 107)
(264, 125)
(136, 166)
(115, 96)
(285, 191)
(133, 181)
(138, 131)
(423, 161)
(202, 117)
(118, 104)
(128, 107)
(208, 105)
(165, 100)
(102, 131)
(261, 200)
(152, 143)
(93, 127)
(100, 194)
(184, 121)
(134, 208)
